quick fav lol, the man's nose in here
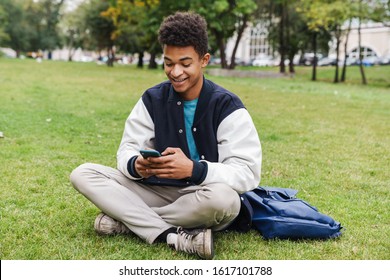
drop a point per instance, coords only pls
(177, 70)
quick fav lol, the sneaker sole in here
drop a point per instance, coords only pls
(97, 223)
(208, 248)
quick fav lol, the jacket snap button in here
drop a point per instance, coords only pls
(180, 130)
(179, 103)
(194, 129)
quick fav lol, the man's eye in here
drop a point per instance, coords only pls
(186, 65)
(168, 64)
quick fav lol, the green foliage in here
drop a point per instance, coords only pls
(4, 37)
(50, 36)
(32, 25)
(75, 30)
(328, 141)
(233, 17)
(373, 10)
(14, 26)
(100, 27)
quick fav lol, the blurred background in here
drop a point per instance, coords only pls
(260, 33)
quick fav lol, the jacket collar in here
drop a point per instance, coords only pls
(204, 98)
(205, 91)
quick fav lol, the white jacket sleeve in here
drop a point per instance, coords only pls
(138, 134)
(239, 148)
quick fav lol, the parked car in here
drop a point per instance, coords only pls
(308, 59)
(263, 61)
(326, 61)
(351, 61)
(370, 60)
(241, 62)
(384, 60)
(215, 61)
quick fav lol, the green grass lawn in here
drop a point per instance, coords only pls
(331, 142)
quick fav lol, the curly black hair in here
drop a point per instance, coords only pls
(185, 29)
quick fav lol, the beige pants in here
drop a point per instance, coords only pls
(150, 210)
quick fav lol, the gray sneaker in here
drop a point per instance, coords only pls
(198, 241)
(106, 225)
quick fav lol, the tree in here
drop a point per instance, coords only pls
(50, 38)
(75, 31)
(244, 14)
(375, 10)
(136, 23)
(41, 19)
(328, 16)
(225, 18)
(360, 16)
(282, 6)
(16, 28)
(101, 28)
(344, 70)
(290, 34)
(380, 11)
(293, 34)
(311, 10)
(4, 37)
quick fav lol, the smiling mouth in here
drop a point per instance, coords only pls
(178, 80)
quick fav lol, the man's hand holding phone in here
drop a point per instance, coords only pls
(171, 163)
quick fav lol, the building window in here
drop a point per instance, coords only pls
(366, 52)
(259, 40)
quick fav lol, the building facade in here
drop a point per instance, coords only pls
(375, 41)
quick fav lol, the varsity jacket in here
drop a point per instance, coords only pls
(224, 134)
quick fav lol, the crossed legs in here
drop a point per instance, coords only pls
(148, 210)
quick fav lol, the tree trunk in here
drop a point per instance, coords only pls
(364, 81)
(111, 57)
(240, 31)
(282, 47)
(140, 63)
(71, 53)
(289, 49)
(336, 75)
(221, 46)
(344, 71)
(314, 69)
(152, 62)
(291, 68)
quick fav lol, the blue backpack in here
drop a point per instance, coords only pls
(277, 213)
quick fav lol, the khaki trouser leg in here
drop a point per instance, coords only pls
(214, 206)
(150, 210)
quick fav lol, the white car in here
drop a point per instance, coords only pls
(263, 61)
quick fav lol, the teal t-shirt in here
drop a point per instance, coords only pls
(189, 114)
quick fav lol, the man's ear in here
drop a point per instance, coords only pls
(205, 60)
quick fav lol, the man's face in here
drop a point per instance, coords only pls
(183, 67)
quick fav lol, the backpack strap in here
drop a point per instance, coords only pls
(278, 193)
(243, 222)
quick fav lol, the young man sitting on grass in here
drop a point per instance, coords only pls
(209, 146)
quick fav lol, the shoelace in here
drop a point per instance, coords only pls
(184, 242)
(119, 227)
(122, 228)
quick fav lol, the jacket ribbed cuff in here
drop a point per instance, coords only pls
(131, 167)
(199, 172)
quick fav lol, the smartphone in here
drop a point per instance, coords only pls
(150, 153)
